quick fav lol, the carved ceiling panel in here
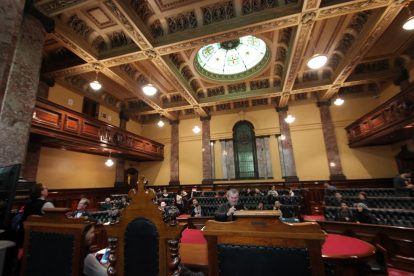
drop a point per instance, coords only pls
(135, 42)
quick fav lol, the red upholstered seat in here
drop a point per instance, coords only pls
(338, 246)
(192, 236)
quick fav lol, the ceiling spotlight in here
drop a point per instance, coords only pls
(290, 119)
(160, 123)
(95, 85)
(339, 102)
(317, 61)
(196, 129)
(149, 89)
(282, 137)
(409, 24)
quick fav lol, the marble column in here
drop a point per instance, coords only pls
(11, 16)
(19, 94)
(31, 163)
(289, 166)
(207, 166)
(331, 145)
(120, 162)
(174, 166)
(120, 173)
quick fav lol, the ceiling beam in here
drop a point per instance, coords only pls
(365, 43)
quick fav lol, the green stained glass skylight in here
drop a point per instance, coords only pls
(232, 59)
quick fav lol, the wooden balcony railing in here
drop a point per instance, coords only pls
(390, 122)
(71, 130)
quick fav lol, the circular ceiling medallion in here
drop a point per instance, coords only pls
(233, 59)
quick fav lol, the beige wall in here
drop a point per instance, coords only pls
(63, 96)
(134, 127)
(307, 141)
(60, 169)
(108, 116)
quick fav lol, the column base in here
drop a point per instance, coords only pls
(337, 177)
(292, 178)
(120, 184)
(207, 181)
(174, 183)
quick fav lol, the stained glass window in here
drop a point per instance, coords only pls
(245, 150)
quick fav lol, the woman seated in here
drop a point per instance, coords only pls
(363, 215)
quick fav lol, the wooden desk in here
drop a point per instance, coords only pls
(348, 254)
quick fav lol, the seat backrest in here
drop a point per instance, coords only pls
(147, 245)
(264, 246)
(53, 245)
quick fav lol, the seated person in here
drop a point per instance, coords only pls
(124, 202)
(337, 200)
(272, 192)
(165, 194)
(362, 198)
(344, 213)
(107, 205)
(329, 187)
(363, 215)
(80, 209)
(290, 192)
(278, 207)
(37, 201)
(196, 211)
(226, 211)
(402, 184)
(260, 206)
(91, 265)
(257, 192)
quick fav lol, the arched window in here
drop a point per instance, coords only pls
(245, 157)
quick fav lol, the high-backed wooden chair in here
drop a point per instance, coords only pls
(53, 245)
(147, 245)
(264, 246)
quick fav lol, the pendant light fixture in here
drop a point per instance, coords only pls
(317, 60)
(160, 122)
(109, 162)
(290, 119)
(409, 23)
(96, 85)
(339, 101)
(196, 129)
(149, 89)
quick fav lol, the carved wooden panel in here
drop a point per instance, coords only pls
(47, 117)
(71, 124)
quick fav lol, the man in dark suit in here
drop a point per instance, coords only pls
(226, 211)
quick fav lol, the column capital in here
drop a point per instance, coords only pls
(282, 108)
(323, 103)
(47, 22)
(174, 122)
(207, 118)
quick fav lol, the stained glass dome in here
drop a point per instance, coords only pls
(232, 59)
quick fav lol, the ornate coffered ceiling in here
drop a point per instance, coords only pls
(133, 42)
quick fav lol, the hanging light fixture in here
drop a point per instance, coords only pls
(196, 129)
(149, 89)
(160, 123)
(409, 24)
(109, 162)
(96, 85)
(317, 61)
(339, 101)
(290, 119)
